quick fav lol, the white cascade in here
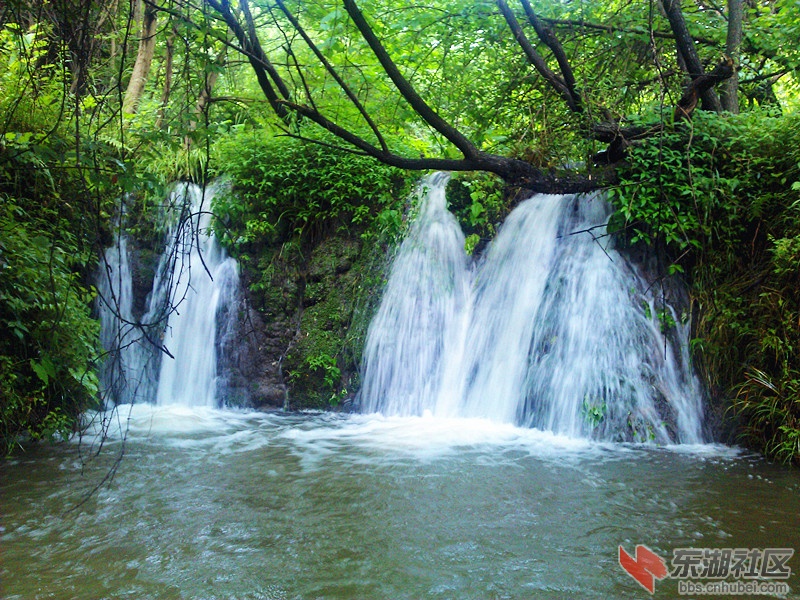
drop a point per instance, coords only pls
(121, 338)
(418, 322)
(552, 329)
(202, 280)
(194, 281)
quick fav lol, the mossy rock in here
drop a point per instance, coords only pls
(316, 361)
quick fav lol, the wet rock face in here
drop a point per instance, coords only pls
(293, 338)
(249, 361)
(144, 262)
(301, 324)
(250, 357)
(320, 362)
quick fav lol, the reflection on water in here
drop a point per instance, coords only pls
(238, 505)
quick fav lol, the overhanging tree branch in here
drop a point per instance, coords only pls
(264, 70)
(688, 52)
(552, 42)
(329, 68)
(411, 96)
(535, 59)
(513, 170)
(474, 160)
(620, 138)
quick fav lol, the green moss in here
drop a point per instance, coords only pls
(323, 363)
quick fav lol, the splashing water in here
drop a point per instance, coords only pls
(553, 329)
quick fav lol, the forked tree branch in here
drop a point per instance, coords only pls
(431, 117)
(688, 52)
(264, 70)
(329, 68)
(536, 59)
(552, 42)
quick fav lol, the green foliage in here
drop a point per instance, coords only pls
(719, 195)
(28, 95)
(49, 339)
(593, 413)
(673, 189)
(283, 186)
(471, 242)
(479, 202)
(768, 408)
(324, 366)
(51, 187)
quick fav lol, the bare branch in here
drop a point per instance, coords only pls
(263, 68)
(535, 58)
(329, 68)
(688, 52)
(552, 42)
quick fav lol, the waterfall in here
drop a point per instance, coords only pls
(553, 328)
(418, 320)
(203, 279)
(194, 287)
(124, 369)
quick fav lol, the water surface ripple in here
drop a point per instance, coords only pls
(244, 505)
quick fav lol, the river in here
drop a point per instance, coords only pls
(246, 505)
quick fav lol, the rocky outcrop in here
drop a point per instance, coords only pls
(302, 322)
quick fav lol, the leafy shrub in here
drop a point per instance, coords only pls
(48, 339)
(283, 186)
(49, 217)
(721, 197)
(479, 203)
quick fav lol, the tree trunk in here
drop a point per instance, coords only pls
(730, 91)
(687, 51)
(168, 67)
(144, 59)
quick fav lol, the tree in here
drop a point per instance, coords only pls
(144, 59)
(303, 101)
(733, 43)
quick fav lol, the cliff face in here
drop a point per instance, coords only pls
(302, 321)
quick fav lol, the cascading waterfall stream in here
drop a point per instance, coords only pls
(122, 372)
(194, 284)
(419, 318)
(552, 329)
(203, 279)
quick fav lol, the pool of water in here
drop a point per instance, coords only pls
(245, 505)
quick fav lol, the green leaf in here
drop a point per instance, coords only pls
(44, 369)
